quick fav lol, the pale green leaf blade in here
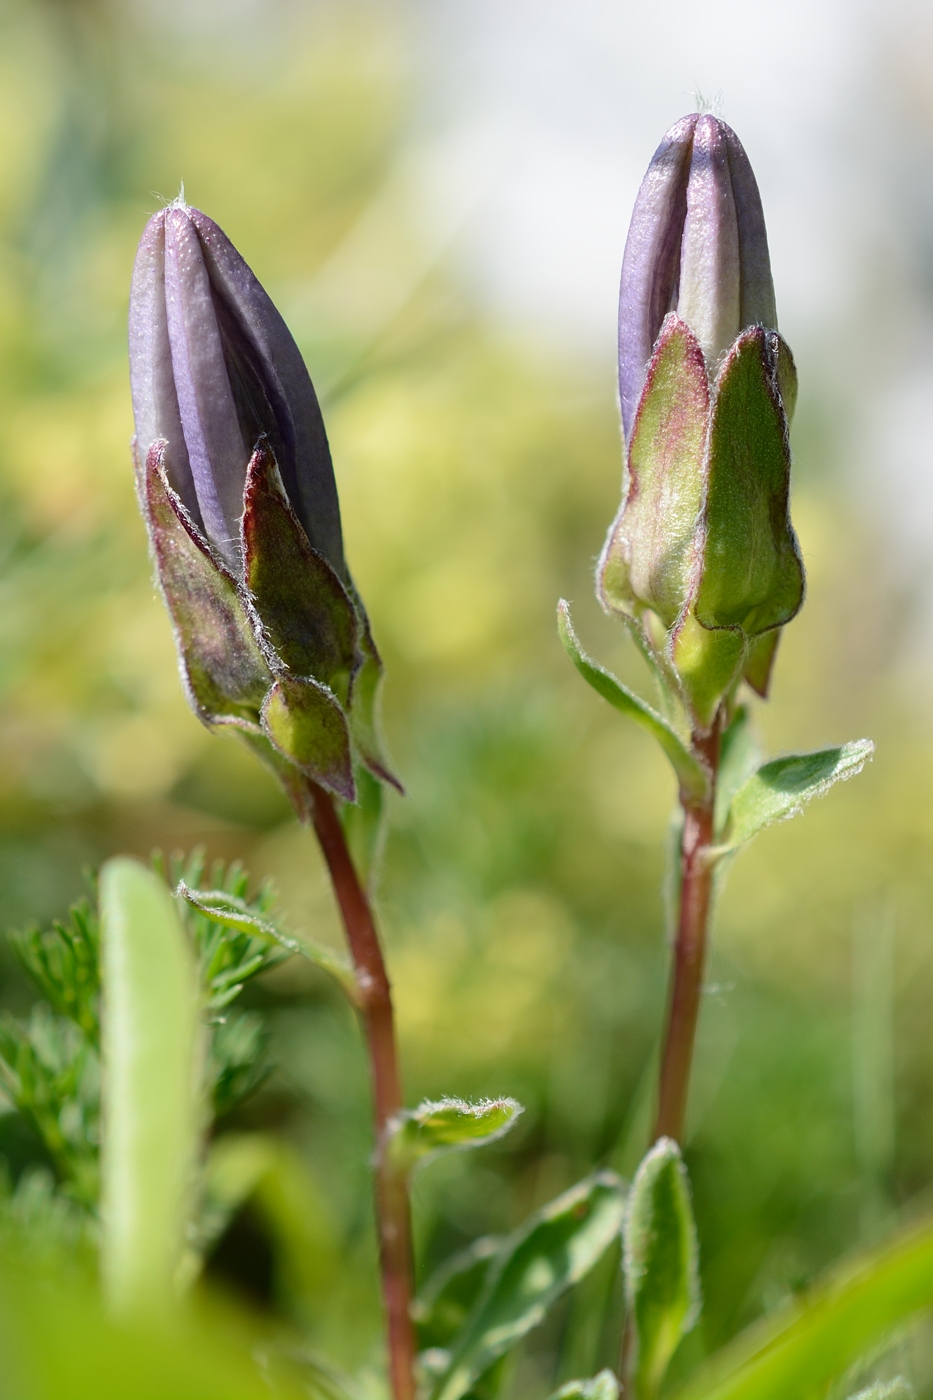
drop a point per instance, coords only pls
(781, 788)
(660, 1260)
(554, 1249)
(690, 772)
(151, 1044)
(437, 1125)
(603, 1386)
(796, 1353)
(234, 913)
(445, 1301)
(739, 759)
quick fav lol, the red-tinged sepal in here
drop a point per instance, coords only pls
(223, 670)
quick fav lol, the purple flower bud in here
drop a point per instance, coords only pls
(697, 245)
(214, 369)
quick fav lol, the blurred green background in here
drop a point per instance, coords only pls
(478, 466)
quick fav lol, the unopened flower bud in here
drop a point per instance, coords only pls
(237, 487)
(213, 369)
(702, 553)
(697, 245)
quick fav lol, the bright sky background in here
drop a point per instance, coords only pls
(540, 117)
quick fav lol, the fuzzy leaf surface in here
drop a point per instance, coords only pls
(660, 1260)
(436, 1126)
(781, 788)
(690, 772)
(603, 1386)
(555, 1248)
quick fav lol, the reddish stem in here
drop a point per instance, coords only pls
(393, 1214)
(696, 884)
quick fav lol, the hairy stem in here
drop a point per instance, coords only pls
(696, 884)
(393, 1215)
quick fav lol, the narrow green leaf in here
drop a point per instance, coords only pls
(604, 1386)
(690, 772)
(739, 758)
(445, 1302)
(795, 1353)
(662, 1284)
(435, 1126)
(781, 788)
(233, 913)
(151, 1045)
(555, 1248)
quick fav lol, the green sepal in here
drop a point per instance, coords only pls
(603, 1386)
(223, 670)
(304, 611)
(648, 555)
(708, 664)
(781, 788)
(759, 661)
(554, 1249)
(751, 571)
(660, 1255)
(304, 721)
(234, 913)
(692, 776)
(365, 695)
(436, 1126)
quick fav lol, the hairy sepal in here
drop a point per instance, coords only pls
(223, 669)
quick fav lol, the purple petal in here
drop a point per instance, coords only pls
(216, 450)
(155, 403)
(708, 298)
(652, 255)
(256, 333)
(757, 286)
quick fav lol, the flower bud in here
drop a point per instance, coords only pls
(238, 492)
(213, 369)
(702, 554)
(697, 245)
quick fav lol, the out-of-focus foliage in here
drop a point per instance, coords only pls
(521, 894)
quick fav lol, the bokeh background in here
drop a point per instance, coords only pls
(436, 194)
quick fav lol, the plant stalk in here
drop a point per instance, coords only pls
(393, 1213)
(696, 886)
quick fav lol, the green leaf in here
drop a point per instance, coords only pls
(797, 1352)
(435, 1126)
(649, 555)
(781, 788)
(306, 613)
(662, 1285)
(555, 1248)
(223, 669)
(898, 1389)
(752, 574)
(739, 758)
(364, 825)
(151, 1043)
(233, 913)
(691, 774)
(604, 1386)
(304, 721)
(445, 1302)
